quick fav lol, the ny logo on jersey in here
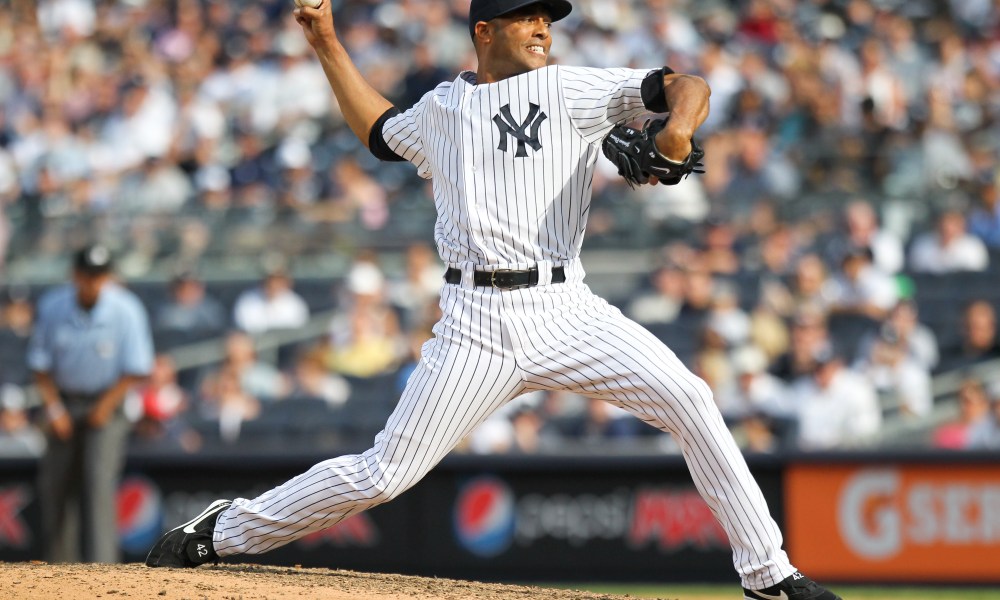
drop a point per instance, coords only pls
(507, 125)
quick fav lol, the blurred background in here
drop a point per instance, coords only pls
(834, 276)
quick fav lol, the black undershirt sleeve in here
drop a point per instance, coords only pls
(653, 96)
(376, 143)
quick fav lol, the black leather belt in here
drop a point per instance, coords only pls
(504, 279)
(79, 405)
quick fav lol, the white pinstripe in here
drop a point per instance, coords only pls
(498, 210)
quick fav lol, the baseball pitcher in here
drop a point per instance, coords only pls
(511, 150)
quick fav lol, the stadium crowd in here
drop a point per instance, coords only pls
(840, 251)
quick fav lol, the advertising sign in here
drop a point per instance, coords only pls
(505, 520)
(905, 523)
(15, 534)
(643, 525)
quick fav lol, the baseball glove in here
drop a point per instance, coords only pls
(635, 154)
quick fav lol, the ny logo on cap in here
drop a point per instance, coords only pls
(507, 125)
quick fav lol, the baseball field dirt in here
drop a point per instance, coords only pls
(41, 581)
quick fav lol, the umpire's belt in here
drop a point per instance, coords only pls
(504, 279)
(78, 405)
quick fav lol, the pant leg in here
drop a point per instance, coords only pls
(589, 347)
(104, 460)
(59, 484)
(464, 375)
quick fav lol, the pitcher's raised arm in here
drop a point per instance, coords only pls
(360, 103)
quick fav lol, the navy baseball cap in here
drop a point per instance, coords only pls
(487, 10)
(93, 260)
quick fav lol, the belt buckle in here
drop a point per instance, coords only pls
(512, 286)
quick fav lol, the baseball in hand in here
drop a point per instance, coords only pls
(309, 3)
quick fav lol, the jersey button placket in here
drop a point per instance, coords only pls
(470, 187)
(473, 203)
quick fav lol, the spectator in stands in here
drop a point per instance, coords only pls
(19, 437)
(718, 254)
(215, 195)
(257, 379)
(711, 360)
(415, 339)
(527, 427)
(725, 317)
(882, 85)
(810, 288)
(973, 409)
(354, 197)
(313, 380)
(200, 125)
(420, 284)
(299, 185)
(949, 248)
(158, 407)
(984, 222)
(920, 342)
(256, 164)
(365, 337)
(757, 433)
(10, 188)
(769, 332)
(754, 390)
(226, 401)
(190, 309)
(985, 435)
(809, 334)
(663, 302)
(157, 186)
(603, 421)
(756, 167)
(698, 288)
(17, 321)
(777, 253)
(272, 305)
(861, 230)
(862, 289)
(979, 340)
(422, 77)
(516, 428)
(836, 407)
(900, 379)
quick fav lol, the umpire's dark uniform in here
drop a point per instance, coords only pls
(91, 342)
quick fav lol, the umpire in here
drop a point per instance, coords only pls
(91, 344)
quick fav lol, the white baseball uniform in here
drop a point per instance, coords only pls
(512, 164)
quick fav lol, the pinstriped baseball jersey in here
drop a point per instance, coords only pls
(512, 164)
(512, 161)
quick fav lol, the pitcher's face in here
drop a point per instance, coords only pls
(520, 41)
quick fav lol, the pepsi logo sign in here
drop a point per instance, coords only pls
(484, 516)
(140, 514)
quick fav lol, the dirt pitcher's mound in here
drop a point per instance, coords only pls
(40, 581)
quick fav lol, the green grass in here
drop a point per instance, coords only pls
(730, 592)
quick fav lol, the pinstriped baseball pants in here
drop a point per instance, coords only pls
(489, 347)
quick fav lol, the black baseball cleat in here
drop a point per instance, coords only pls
(794, 587)
(190, 544)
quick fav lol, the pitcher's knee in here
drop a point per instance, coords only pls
(691, 391)
(386, 489)
(388, 481)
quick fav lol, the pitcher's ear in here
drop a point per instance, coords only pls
(483, 32)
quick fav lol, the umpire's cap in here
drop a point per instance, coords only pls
(487, 10)
(94, 259)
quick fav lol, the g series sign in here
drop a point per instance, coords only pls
(911, 522)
